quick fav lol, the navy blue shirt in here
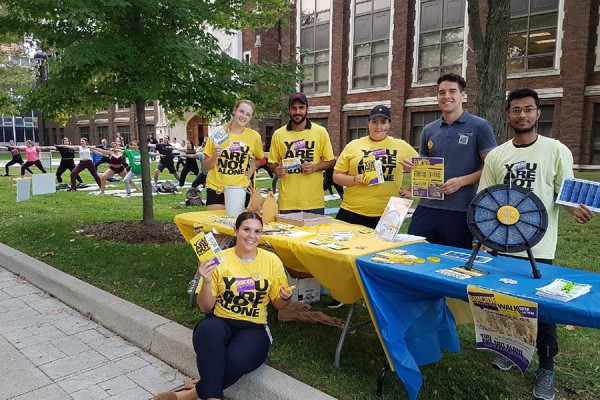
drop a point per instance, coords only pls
(461, 144)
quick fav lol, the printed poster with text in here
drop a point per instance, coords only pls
(427, 177)
(504, 324)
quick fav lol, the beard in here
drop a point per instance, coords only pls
(522, 131)
(302, 119)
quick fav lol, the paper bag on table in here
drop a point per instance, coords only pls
(270, 208)
(256, 200)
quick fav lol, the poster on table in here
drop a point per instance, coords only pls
(392, 218)
(427, 177)
(504, 324)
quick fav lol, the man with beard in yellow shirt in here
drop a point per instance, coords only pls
(300, 152)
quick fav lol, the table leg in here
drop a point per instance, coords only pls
(348, 327)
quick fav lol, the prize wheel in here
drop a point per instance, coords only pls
(507, 219)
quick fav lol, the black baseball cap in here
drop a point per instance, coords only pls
(380, 111)
(297, 96)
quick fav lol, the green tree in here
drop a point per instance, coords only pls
(15, 83)
(134, 51)
(490, 46)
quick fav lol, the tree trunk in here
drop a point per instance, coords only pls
(147, 207)
(491, 50)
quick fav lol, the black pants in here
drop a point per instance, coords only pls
(64, 165)
(187, 168)
(200, 180)
(354, 218)
(28, 164)
(16, 160)
(226, 349)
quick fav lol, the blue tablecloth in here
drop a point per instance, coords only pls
(414, 323)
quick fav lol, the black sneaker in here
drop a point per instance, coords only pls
(334, 304)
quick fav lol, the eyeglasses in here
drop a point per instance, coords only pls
(518, 111)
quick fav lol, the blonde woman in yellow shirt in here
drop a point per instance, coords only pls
(229, 164)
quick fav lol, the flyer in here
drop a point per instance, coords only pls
(219, 136)
(504, 324)
(427, 177)
(206, 247)
(373, 173)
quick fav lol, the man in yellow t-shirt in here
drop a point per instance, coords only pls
(299, 153)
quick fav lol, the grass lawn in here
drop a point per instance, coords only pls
(156, 277)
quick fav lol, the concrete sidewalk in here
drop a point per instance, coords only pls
(107, 349)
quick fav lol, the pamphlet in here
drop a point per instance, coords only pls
(504, 324)
(292, 163)
(563, 290)
(392, 218)
(206, 247)
(219, 136)
(574, 192)
(373, 170)
(427, 177)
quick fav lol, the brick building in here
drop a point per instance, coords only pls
(359, 53)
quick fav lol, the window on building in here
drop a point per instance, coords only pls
(418, 121)
(441, 38)
(321, 121)
(149, 104)
(357, 127)
(315, 16)
(125, 132)
(247, 57)
(121, 107)
(371, 43)
(150, 130)
(102, 133)
(533, 34)
(595, 150)
(55, 136)
(84, 132)
(544, 124)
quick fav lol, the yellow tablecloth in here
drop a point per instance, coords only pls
(334, 269)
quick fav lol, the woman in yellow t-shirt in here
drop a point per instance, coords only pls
(233, 339)
(227, 159)
(371, 169)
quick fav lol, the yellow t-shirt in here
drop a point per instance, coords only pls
(371, 200)
(230, 168)
(544, 166)
(301, 191)
(243, 290)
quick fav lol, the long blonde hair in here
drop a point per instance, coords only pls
(237, 105)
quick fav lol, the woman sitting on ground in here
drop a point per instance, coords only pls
(233, 339)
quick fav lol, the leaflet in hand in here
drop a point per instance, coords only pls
(219, 136)
(574, 192)
(206, 247)
(563, 290)
(373, 170)
(427, 177)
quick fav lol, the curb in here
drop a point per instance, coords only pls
(165, 339)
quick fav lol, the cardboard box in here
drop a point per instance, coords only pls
(308, 290)
(303, 219)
